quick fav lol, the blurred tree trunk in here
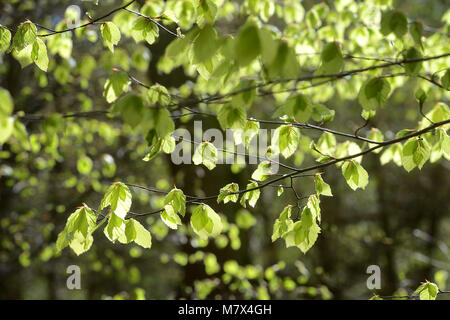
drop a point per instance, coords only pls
(388, 268)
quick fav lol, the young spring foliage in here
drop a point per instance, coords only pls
(5, 39)
(355, 175)
(115, 85)
(229, 193)
(250, 196)
(174, 204)
(229, 72)
(110, 34)
(134, 231)
(285, 140)
(416, 151)
(427, 291)
(206, 154)
(205, 221)
(303, 234)
(374, 93)
(80, 226)
(322, 188)
(77, 233)
(263, 171)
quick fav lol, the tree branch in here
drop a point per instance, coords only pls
(52, 32)
(323, 165)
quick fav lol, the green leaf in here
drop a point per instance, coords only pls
(77, 232)
(263, 171)
(63, 240)
(393, 153)
(398, 24)
(303, 234)
(5, 39)
(374, 93)
(441, 147)
(117, 196)
(283, 224)
(279, 59)
(154, 143)
(170, 217)
(168, 144)
(129, 234)
(206, 154)
(440, 112)
(394, 21)
(321, 113)
(332, 60)
(164, 124)
(420, 95)
(130, 107)
(177, 200)
(232, 117)
(60, 44)
(7, 104)
(143, 236)
(39, 54)
(110, 34)
(244, 99)
(205, 45)
(144, 29)
(206, 12)
(375, 135)
(413, 68)
(445, 80)
(81, 221)
(26, 35)
(269, 46)
(24, 56)
(245, 136)
(248, 45)
(81, 245)
(115, 227)
(115, 85)
(6, 128)
(368, 114)
(206, 222)
(177, 47)
(416, 152)
(327, 143)
(285, 140)
(427, 291)
(314, 205)
(355, 175)
(169, 17)
(403, 132)
(313, 19)
(348, 148)
(297, 106)
(158, 95)
(322, 188)
(226, 193)
(416, 32)
(250, 196)
(20, 133)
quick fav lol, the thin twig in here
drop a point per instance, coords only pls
(152, 20)
(52, 32)
(326, 164)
